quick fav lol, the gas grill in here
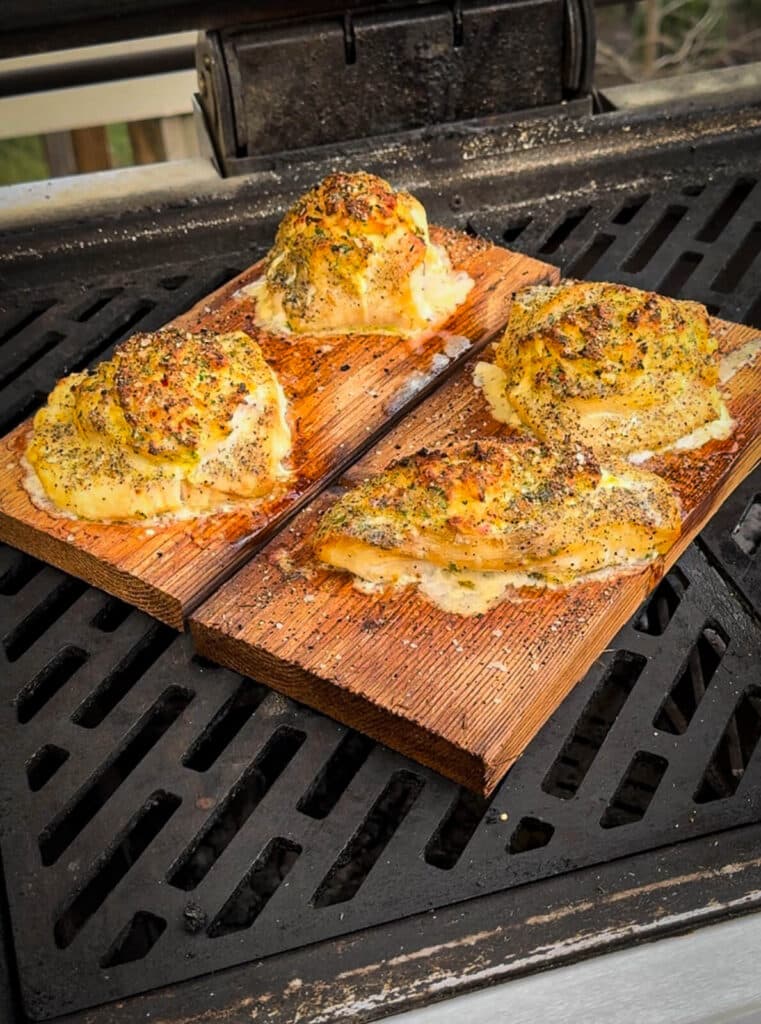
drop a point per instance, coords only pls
(179, 843)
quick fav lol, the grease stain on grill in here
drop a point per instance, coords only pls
(564, 230)
(46, 684)
(256, 889)
(225, 726)
(335, 775)
(360, 854)
(43, 765)
(738, 264)
(22, 570)
(38, 621)
(747, 533)
(726, 210)
(655, 238)
(734, 750)
(660, 608)
(531, 834)
(448, 842)
(237, 807)
(135, 940)
(577, 754)
(591, 256)
(120, 681)
(635, 791)
(629, 209)
(689, 687)
(56, 837)
(114, 864)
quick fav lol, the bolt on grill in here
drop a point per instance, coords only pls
(163, 818)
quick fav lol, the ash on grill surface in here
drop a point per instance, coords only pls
(162, 818)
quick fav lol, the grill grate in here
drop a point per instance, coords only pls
(163, 818)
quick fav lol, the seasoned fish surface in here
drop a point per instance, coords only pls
(615, 368)
(550, 515)
(174, 422)
(352, 254)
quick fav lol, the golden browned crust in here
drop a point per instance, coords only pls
(612, 367)
(354, 254)
(511, 505)
(173, 419)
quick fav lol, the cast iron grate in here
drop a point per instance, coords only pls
(163, 818)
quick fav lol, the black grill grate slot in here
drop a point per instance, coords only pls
(531, 834)
(747, 533)
(514, 231)
(93, 306)
(115, 864)
(125, 324)
(65, 828)
(22, 570)
(44, 764)
(136, 940)
(44, 343)
(235, 810)
(257, 888)
(660, 607)
(591, 256)
(16, 323)
(726, 210)
(225, 726)
(655, 238)
(113, 613)
(689, 687)
(331, 782)
(629, 209)
(635, 791)
(48, 682)
(737, 266)
(119, 682)
(20, 639)
(734, 751)
(569, 224)
(357, 859)
(456, 830)
(580, 749)
(680, 273)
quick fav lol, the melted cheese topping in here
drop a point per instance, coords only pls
(614, 368)
(354, 256)
(496, 515)
(174, 423)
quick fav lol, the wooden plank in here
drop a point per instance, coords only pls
(343, 392)
(462, 695)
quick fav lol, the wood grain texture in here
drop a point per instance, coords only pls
(462, 695)
(343, 392)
